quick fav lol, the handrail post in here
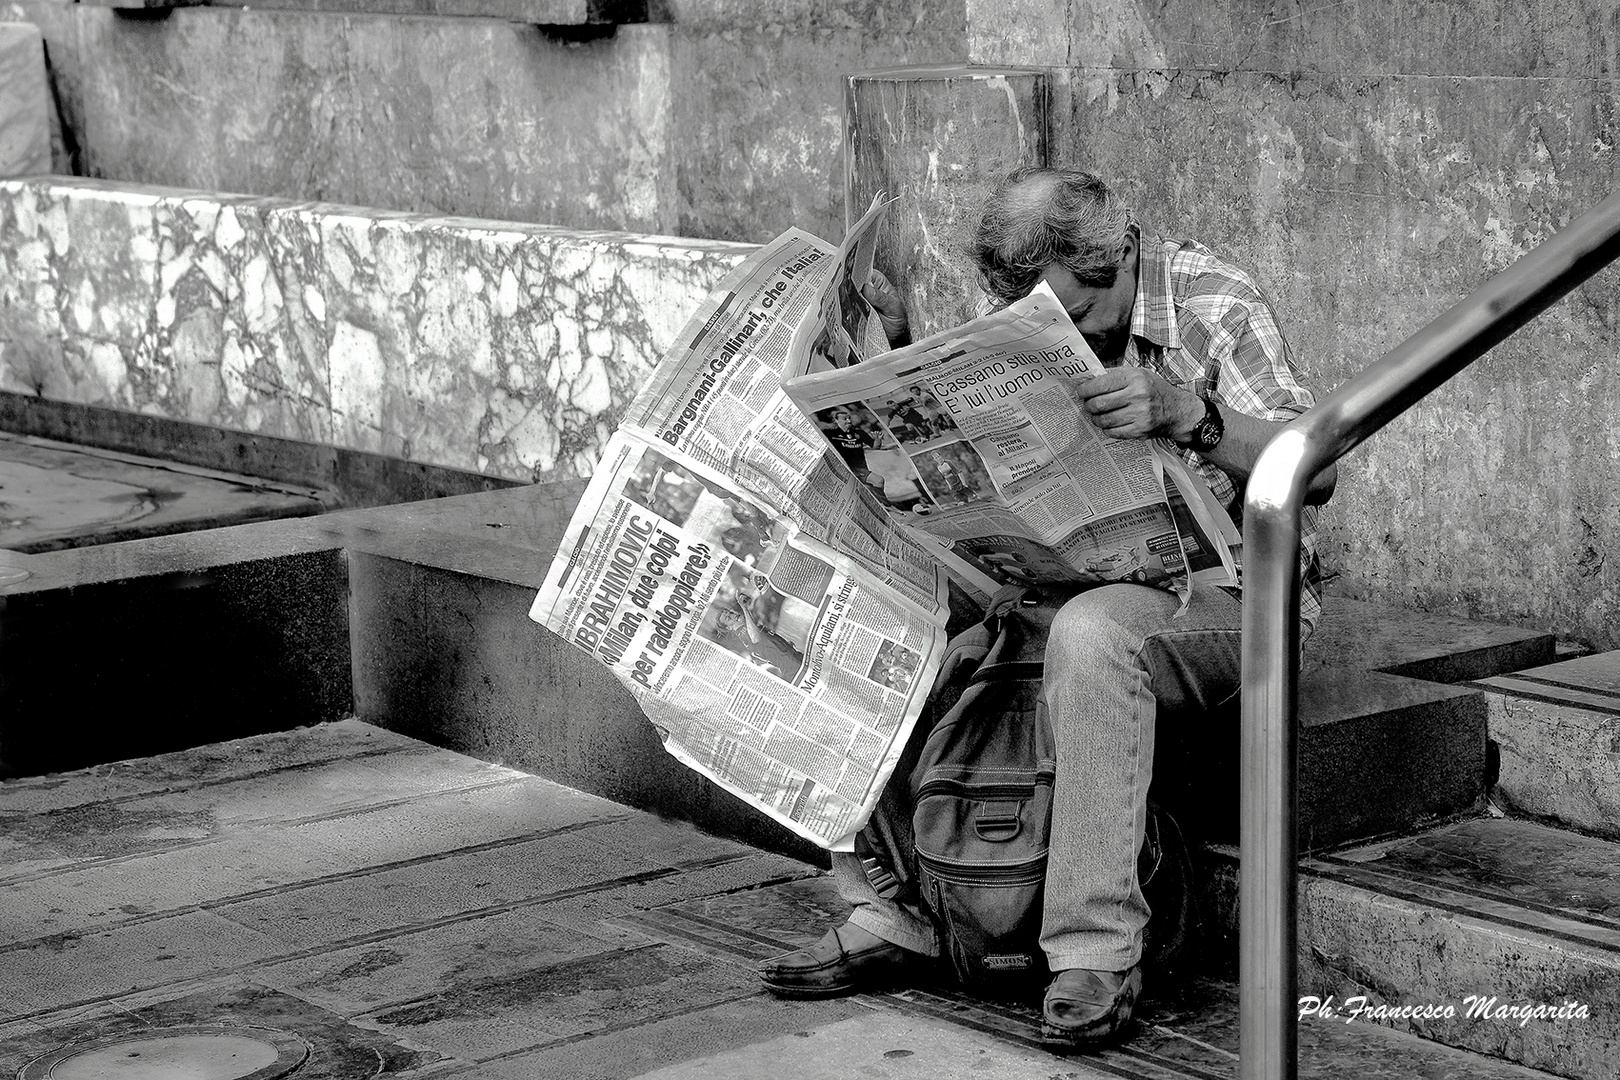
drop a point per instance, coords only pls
(1267, 899)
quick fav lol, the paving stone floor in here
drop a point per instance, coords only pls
(407, 911)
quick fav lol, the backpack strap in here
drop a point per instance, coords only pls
(1008, 671)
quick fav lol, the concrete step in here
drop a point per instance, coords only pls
(55, 495)
(1419, 645)
(1557, 729)
(407, 911)
(445, 652)
(1377, 754)
(424, 607)
(1488, 917)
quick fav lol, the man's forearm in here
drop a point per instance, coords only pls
(1239, 449)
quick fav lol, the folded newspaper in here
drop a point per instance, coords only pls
(763, 554)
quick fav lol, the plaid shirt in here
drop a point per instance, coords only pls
(1203, 325)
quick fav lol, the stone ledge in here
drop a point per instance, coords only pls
(1557, 728)
(132, 665)
(1492, 908)
(493, 347)
(1420, 645)
(345, 478)
(442, 649)
(60, 496)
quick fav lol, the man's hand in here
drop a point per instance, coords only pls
(891, 310)
(1135, 403)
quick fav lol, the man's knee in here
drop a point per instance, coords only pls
(1112, 620)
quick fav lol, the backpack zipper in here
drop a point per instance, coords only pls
(1012, 789)
(1026, 872)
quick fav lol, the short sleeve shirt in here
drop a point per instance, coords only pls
(1203, 325)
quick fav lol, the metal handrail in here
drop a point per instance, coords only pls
(1267, 892)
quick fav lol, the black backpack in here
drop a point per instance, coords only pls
(962, 827)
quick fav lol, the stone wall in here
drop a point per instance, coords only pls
(1375, 161)
(723, 121)
(503, 349)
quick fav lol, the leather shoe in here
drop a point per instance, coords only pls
(846, 959)
(1085, 1008)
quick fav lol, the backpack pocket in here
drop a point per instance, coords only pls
(981, 862)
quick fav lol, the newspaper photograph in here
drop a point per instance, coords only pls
(768, 661)
(977, 437)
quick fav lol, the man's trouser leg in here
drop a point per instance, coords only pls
(901, 924)
(1118, 657)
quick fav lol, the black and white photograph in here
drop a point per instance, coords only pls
(894, 665)
(954, 474)
(747, 617)
(435, 641)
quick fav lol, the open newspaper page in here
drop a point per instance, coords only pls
(728, 362)
(843, 329)
(976, 437)
(777, 627)
(769, 662)
(716, 399)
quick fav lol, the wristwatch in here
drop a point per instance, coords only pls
(1206, 434)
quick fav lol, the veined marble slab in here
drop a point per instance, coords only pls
(505, 348)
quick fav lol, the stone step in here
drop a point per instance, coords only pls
(425, 608)
(58, 496)
(1489, 917)
(1557, 730)
(1377, 754)
(1419, 645)
(1387, 743)
(387, 901)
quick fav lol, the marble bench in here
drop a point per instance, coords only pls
(499, 348)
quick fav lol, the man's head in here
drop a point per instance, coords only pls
(1065, 227)
(843, 419)
(729, 622)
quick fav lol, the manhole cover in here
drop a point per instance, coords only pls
(190, 1053)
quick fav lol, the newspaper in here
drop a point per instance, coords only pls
(977, 438)
(778, 628)
(763, 553)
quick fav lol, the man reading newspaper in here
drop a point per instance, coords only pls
(1192, 355)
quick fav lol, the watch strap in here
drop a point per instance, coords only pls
(1207, 433)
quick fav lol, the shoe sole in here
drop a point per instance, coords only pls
(878, 984)
(815, 993)
(1095, 1038)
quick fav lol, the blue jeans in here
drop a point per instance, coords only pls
(1119, 662)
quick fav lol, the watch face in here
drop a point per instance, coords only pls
(1207, 434)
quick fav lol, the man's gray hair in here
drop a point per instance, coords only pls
(1038, 216)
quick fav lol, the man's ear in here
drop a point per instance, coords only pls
(1129, 248)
